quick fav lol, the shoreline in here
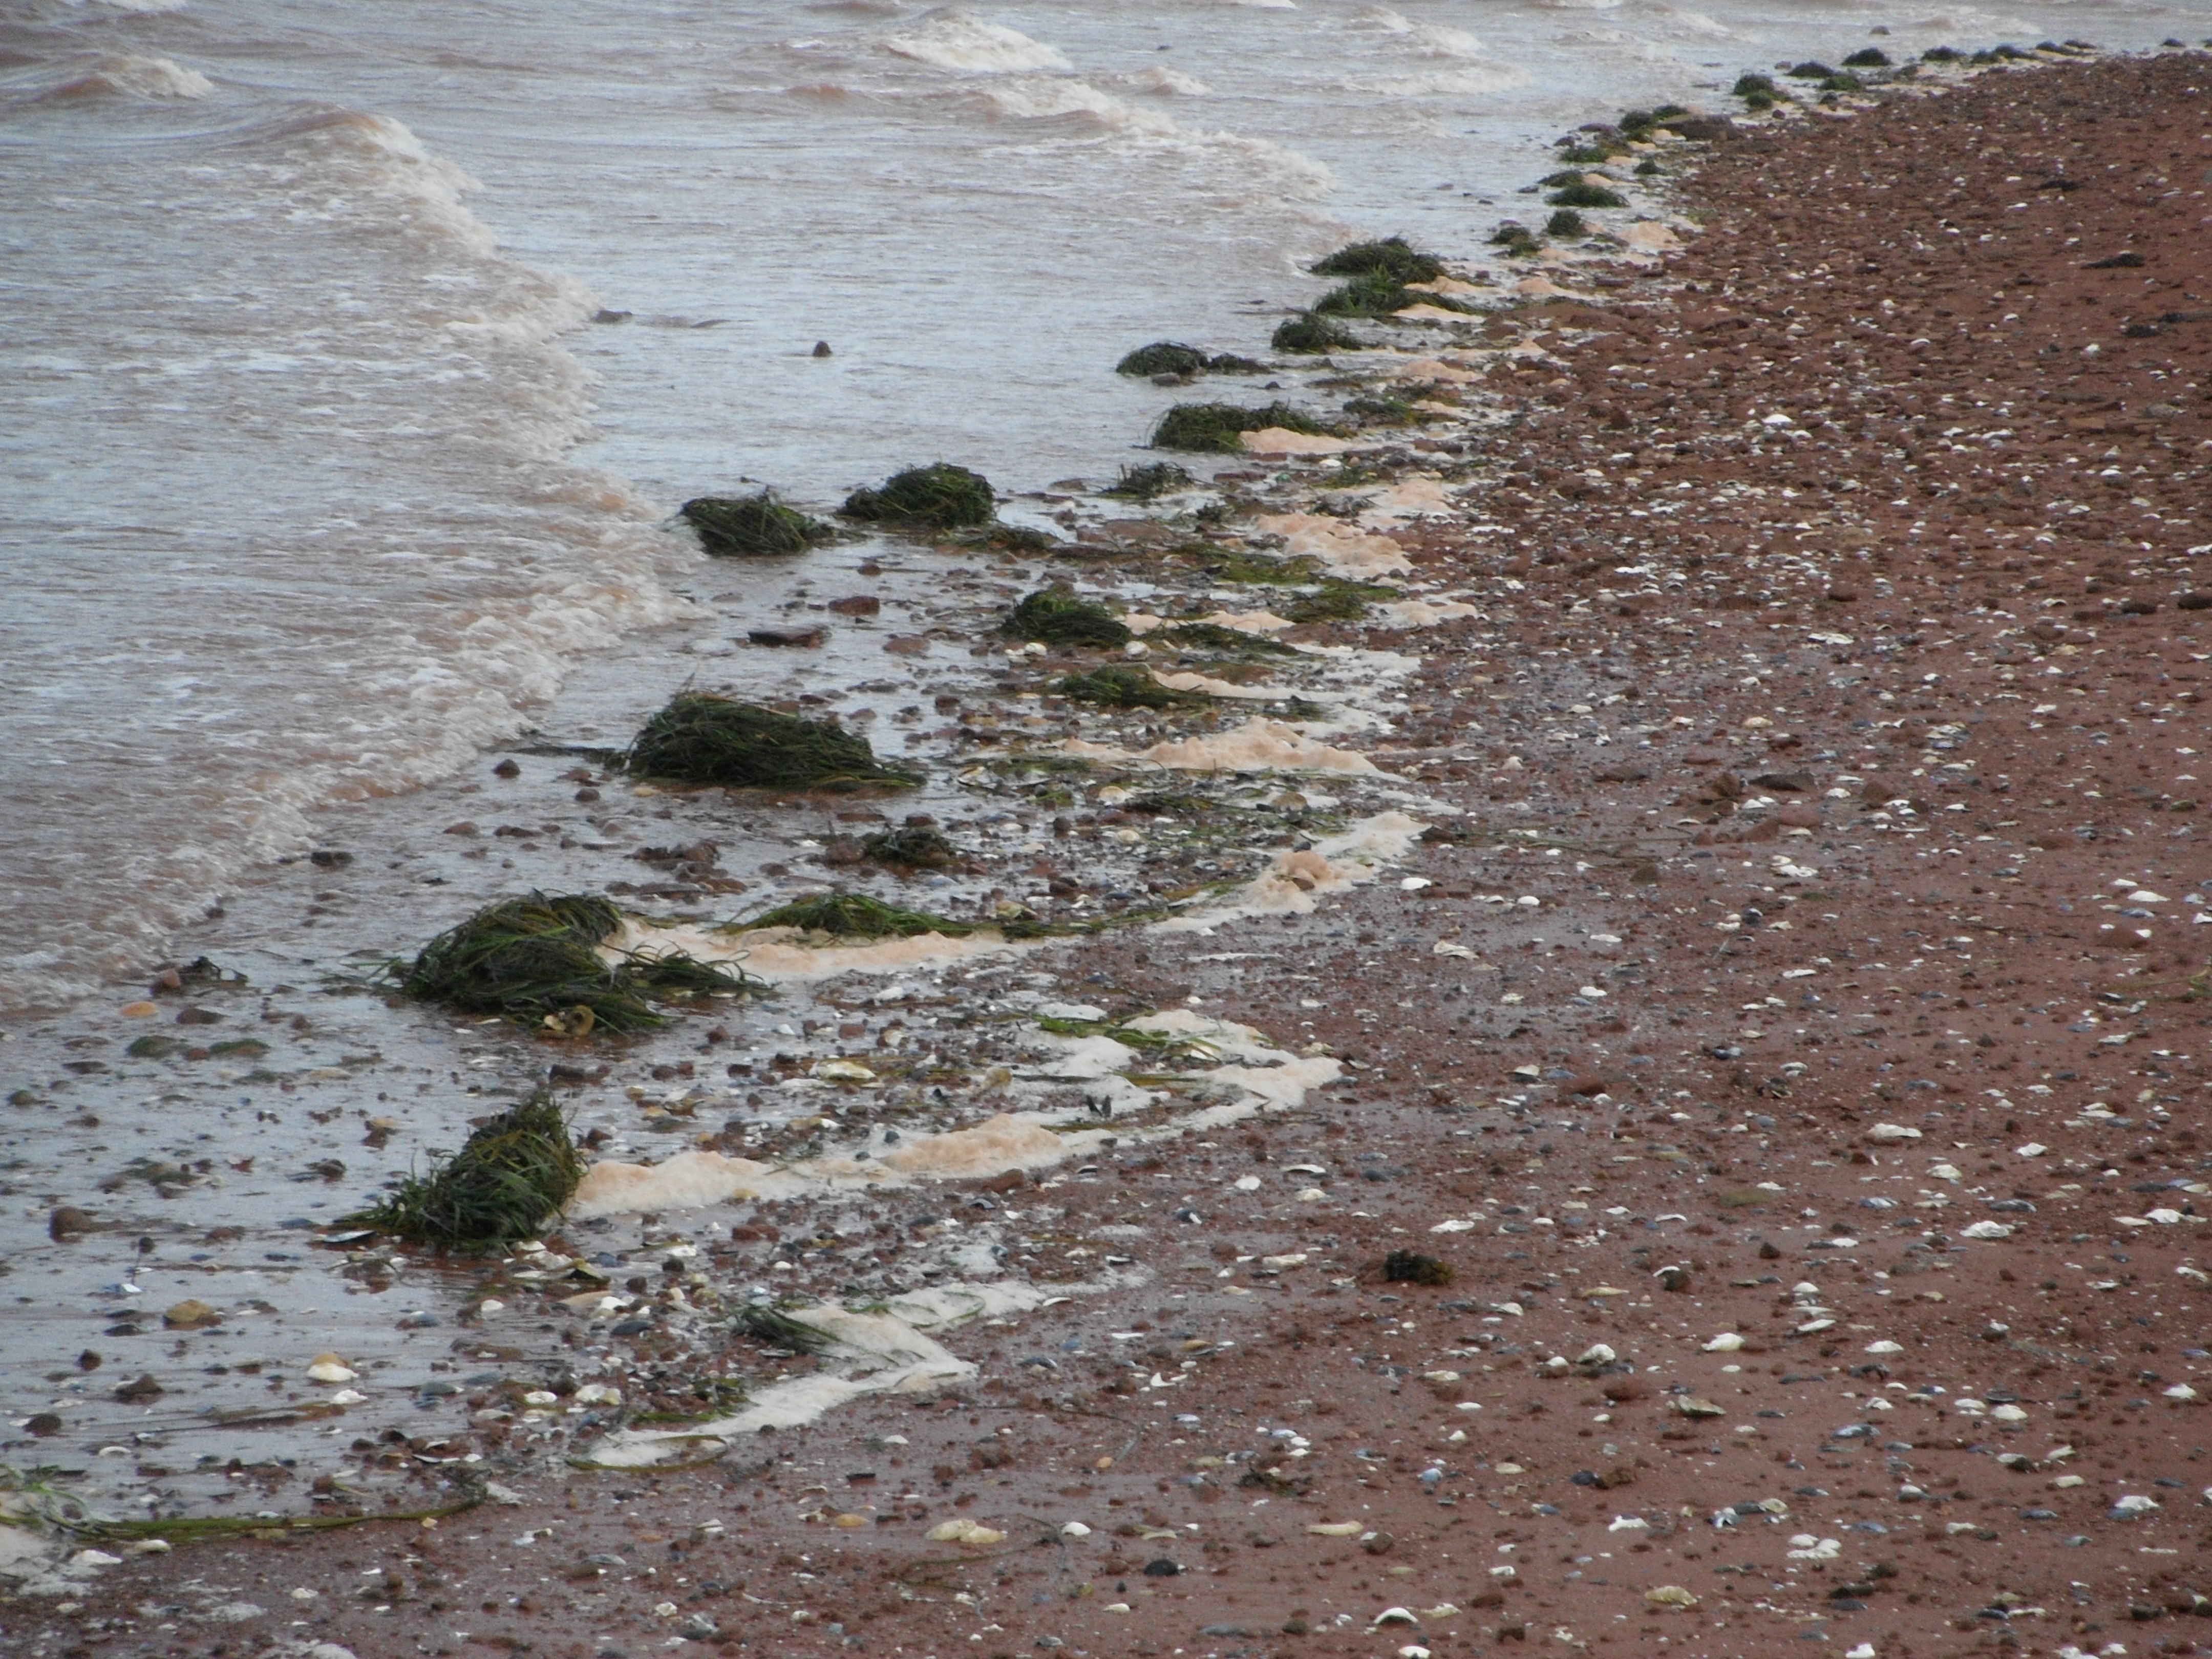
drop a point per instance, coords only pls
(1837, 704)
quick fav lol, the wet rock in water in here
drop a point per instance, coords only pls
(506, 769)
(44, 1425)
(67, 1222)
(822, 349)
(191, 1315)
(145, 1389)
(802, 638)
(859, 605)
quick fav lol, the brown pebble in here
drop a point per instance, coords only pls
(191, 1315)
(506, 769)
(67, 1222)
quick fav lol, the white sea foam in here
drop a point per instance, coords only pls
(959, 41)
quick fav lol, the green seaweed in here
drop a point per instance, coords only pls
(1054, 615)
(1584, 194)
(1163, 357)
(537, 959)
(1146, 484)
(856, 916)
(1412, 1267)
(1811, 70)
(937, 497)
(1515, 237)
(513, 1175)
(1228, 641)
(1312, 334)
(1336, 601)
(1568, 223)
(748, 526)
(1392, 257)
(1216, 428)
(1867, 57)
(1119, 686)
(1382, 411)
(702, 738)
(910, 847)
(1756, 86)
(1378, 294)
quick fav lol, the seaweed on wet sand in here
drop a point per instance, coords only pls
(748, 526)
(917, 844)
(1411, 1268)
(514, 1173)
(856, 916)
(1516, 239)
(1584, 194)
(1226, 641)
(1312, 334)
(1568, 223)
(1054, 615)
(941, 496)
(1336, 601)
(1393, 257)
(537, 959)
(702, 738)
(1377, 294)
(1218, 428)
(1119, 686)
(779, 1330)
(1145, 483)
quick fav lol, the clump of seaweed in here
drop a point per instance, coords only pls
(856, 916)
(1842, 80)
(702, 738)
(1568, 223)
(1146, 484)
(1119, 686)
(538, 959)
(1337, 601)
(1759, 91)
(1412, 1267)
(513, 1175)
(1811, 70)
(1054, 615)
(1941, 55)
(1218, 428)
(1163, 357)
(913, 846)
(1227, 362)
(1228, 641)
(1392, 257)
(1867, 57)
(1308, 333)
(937, 497)
(1516, 239)
(1381, 411)
(748, 526)
(1378, 294)
(1584, 194)
(1646, 168)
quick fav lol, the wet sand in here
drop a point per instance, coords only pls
(1790, 1049)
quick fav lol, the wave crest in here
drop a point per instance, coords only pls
(122, 74)
(963, 43)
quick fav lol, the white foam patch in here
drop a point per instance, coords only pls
(132, 77)
(1258, 745)
(1347, 552)
(1213, 688)
(1281, 441)
(887, 1353)
(1260, 1075)
(776, 954)
(1294, 882)
(1425, 613)
(1244, 622)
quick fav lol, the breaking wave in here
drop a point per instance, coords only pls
(963, 43)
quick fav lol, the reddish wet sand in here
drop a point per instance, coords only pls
(1920, 421)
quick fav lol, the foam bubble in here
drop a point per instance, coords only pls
(1346, 551)
(1291, 886)
(1258, 745)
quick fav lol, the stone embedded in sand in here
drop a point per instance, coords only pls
(973, 1534)
(191, 1315)
(1726, 1342)
(1892, 1132)
(1670, 1596)
(1987, 1230)
(329, 1368)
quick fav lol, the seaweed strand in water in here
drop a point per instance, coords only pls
(747, 526)
(939, 497)
(702, 738)
(513, 1174)
(538, 958)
